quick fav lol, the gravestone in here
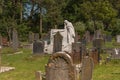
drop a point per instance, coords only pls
(15, 42)
(108, 38)
(87, 68)
(31, 37)
(38, 47)
(97, 43)
(76, 52)
(115, 54)
(57, 45)
(118, 38)
(0, 39)
(36, 36)
(60, 67)
(87, 36)
(98, 34)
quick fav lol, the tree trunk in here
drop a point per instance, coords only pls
(21, 8)
(40, 23)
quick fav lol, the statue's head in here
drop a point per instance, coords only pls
(66, 21)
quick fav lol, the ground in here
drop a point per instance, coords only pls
(26, 65)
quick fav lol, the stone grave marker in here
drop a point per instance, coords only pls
(97, 34)
(38, 47)
(0, 39)
(108, 38)
(87, 36)
(31, 37)
(76, 52)
(60, 67)
(87, 68)
(36, 36)
(57, 45)
(115, 54)
(118, 38)
(98, 43)
(15, 41)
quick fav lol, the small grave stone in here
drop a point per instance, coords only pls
(87, 68)
(57, 45)
(4, 41)
(31, 37)
(108, 38)
(15, 42)
(60, 67)
(115, 54)
(87, 36)
(0, 39)
(97, 34)
(76, 52)
(98, 43)
(36, 36)
(118, 38)
(38, 47)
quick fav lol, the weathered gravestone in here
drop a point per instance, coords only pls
(76, 52)
(31, 37)
(38, 47)
(15, 41)
(0, 39)
(108, 38)
(57, 45)
(98, 44)
(87, 68)
(36, 36)
(60, 67)
(118, 38)
(98, 34)
(115, 54)
(87, 36)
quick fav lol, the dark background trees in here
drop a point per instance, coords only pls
(41, 15)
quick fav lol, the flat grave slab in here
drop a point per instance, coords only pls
(5, 69)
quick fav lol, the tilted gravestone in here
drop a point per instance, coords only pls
(60, 67)
(87, 68)
(57, 45)
(31, 37)
(15, 41)
(98, 34)
(38, 47)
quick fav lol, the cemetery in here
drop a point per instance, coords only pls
(59, 40)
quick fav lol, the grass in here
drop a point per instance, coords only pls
(26, 65)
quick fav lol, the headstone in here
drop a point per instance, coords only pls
(115, 54)
(76, 52)
(97, 43)
(36, 36)
(87, 36)
(98, 34)
(118, 38)
(38, 75)
(31, 37)
(4, 41)
(15, 41)
(0, 39)
(38, 47)
(60, 67)
(94, 55)
(108, 38)
(57, 45)
(87, 68)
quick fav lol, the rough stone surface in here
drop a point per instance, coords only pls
(87, 68)
(60, 67)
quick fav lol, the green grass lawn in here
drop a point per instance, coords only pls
(25, 66)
